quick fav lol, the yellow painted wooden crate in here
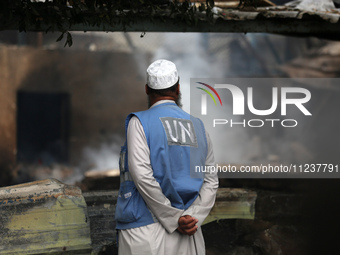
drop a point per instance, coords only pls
(233, 204)
(43, 217)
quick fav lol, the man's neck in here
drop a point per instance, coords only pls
(162, 102)
(161, 98)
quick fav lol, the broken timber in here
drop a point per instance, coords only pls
(49, 216)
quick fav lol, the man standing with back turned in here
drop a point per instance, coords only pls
(160, 207)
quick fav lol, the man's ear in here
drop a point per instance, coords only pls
(147, 91)
(178, 89)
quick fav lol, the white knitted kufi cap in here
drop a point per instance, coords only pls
(162, 74)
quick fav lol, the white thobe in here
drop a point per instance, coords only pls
(161, 238)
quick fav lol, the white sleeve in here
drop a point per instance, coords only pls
(142, 175)
(201, 207)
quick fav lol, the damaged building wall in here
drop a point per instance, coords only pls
(97, 84)
(11, 74)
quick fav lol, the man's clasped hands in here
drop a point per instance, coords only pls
(187, 225)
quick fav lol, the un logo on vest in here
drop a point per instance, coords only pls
(179, 131)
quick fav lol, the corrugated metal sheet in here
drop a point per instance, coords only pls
(276, 12)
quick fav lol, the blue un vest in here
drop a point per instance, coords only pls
(177, 144)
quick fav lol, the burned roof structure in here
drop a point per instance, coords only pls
(299, 18)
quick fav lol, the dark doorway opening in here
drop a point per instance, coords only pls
(43, 127)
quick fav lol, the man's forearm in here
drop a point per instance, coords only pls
(142, 174)
(201, 207)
